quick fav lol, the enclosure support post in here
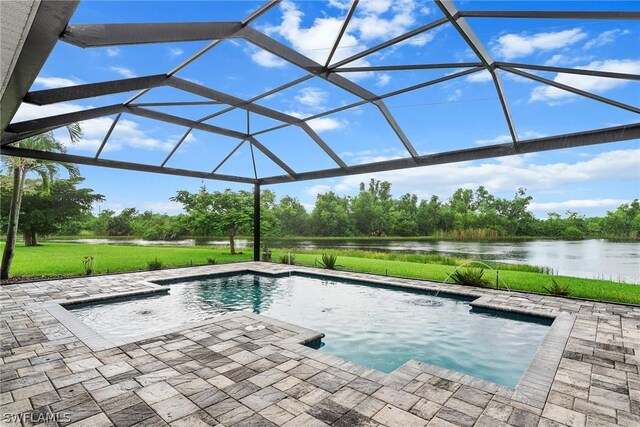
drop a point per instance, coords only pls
(256, 222)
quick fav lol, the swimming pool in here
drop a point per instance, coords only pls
(375, 326)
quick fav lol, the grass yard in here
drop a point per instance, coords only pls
(65, 259)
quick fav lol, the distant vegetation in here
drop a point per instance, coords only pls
(373, 212)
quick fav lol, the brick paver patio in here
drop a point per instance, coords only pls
(222, 373)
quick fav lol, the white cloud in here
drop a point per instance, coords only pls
(374, 20)
(55, 82)
(174, 52)
(317, 189)
(455, 95)
(171, 208)
(506, 174)
(323, 124)
(509, 46)
(375, 6)
(266, 59)
(113, 52)
(565, 60)
(311, 100)
(315, 41)
(586, 83)
(312, 97)
(605, 38)
(371, 25)
(340, 4)
(124, 72)
(373, 155)
(576, 204)
(383, 79)
(479, 77)
(501, 139)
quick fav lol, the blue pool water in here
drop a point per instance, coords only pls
(378, 327)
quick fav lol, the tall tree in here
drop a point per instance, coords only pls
(270, 225)
(20, 167)
(46, 213)
(293, 217)
(227, 212)
(330, 216)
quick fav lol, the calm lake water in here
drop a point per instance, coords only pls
(598, 259)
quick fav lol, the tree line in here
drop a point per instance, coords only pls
(467, 214)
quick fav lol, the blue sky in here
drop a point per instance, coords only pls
(461, 113)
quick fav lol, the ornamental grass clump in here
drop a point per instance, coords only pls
(289, 259)
(89, 264)
(328, 261)
(156, 264)
(469, 276)
(558, 289)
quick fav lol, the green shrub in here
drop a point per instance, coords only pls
(470, 277)
(288, 259)
(211, 261)
(558, 289)
(89, 264)
(328, 261)
(156, 264)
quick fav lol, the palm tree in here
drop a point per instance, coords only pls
(46, 169)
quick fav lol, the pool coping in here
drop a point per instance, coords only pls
(532, 389)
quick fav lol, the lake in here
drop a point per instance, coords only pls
(595, 259)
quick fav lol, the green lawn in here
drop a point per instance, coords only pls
(65, 259)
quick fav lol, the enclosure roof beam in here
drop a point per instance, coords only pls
(90, 90)
(173, 104)
(272, 156)
(313, 135)
(343, 28)
(391, 42)
(573, 90)
(406, 67)
(249, 106)
(180, 121)
(433, 82)
(116, 164)
(272, 46)
(103, 35)
(257, 13)
(49, 21)
(594, 73)
(258, 97)
(597, 136)
(223, 161)
(231, 100)
(46, 124)
(108, 135)
(387, 95)
(460, 24)
(548, 14)
(226, 110)
(175, 147)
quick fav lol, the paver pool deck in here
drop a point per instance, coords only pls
(227, 372)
